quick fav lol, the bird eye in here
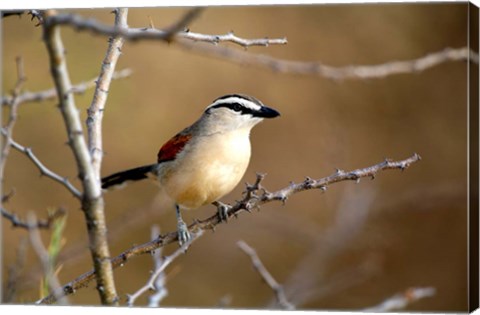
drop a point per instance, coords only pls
(237, 107)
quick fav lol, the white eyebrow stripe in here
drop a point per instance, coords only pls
(233, 99)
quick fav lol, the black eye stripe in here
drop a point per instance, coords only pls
(237, 107)
(241, 96)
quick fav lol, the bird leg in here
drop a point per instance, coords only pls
(182, 229)
(222, 210)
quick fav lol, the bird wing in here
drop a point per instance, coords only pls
(169, 150)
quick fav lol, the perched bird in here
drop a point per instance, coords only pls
(206, 160)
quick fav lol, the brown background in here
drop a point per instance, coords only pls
(348, 248)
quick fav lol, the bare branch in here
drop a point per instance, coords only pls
(43, 169)
(79, 23)
(159, 283)
(42, 254)
(79, 88)
(7, 132)
(39, 224)
(165, 263)
(12, 118)
(232, 38)
(92, 203)
(250, 201)
(339, 175)
(181, 24)
(188, 40)
(402, 300)
(272, 283)
(97, 107)
(351, 72)
(69, 111)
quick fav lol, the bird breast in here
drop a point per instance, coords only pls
(208, 168)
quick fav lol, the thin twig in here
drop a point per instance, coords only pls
(165, 263)
(182, 23)
(249, 201)
(351, 72)
(232, 38)
(50, 94)
(12, 118)
(80, 23)
(402, 300)
(271, 282)
(39, 224)
(43, 169)
(92, 201)
(42, 254)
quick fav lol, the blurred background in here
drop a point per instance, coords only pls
(348, 248)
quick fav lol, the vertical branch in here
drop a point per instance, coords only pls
(92, 200)
(161, 291)
(95, 112)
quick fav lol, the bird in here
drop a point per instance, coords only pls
(205, 161)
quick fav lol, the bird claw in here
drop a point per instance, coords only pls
(182, 232)
(223, 210)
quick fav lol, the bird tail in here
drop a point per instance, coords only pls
(119, 179)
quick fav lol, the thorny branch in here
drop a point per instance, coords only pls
(97, 107)
(13, 102)
(43, 169)
(352, 72)
(187, 39)
(80, 23)
(254, 196)
(181, 24)
(92, 200)
(50, 94)
(272, 283)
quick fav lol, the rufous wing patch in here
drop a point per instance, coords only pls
(170, 149)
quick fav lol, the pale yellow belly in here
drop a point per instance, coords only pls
(204, 176)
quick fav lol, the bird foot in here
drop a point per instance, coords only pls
(223, 210)
(183, 234)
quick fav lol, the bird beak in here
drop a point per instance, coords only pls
(267, 112)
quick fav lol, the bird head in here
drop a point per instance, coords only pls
(237, 111)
